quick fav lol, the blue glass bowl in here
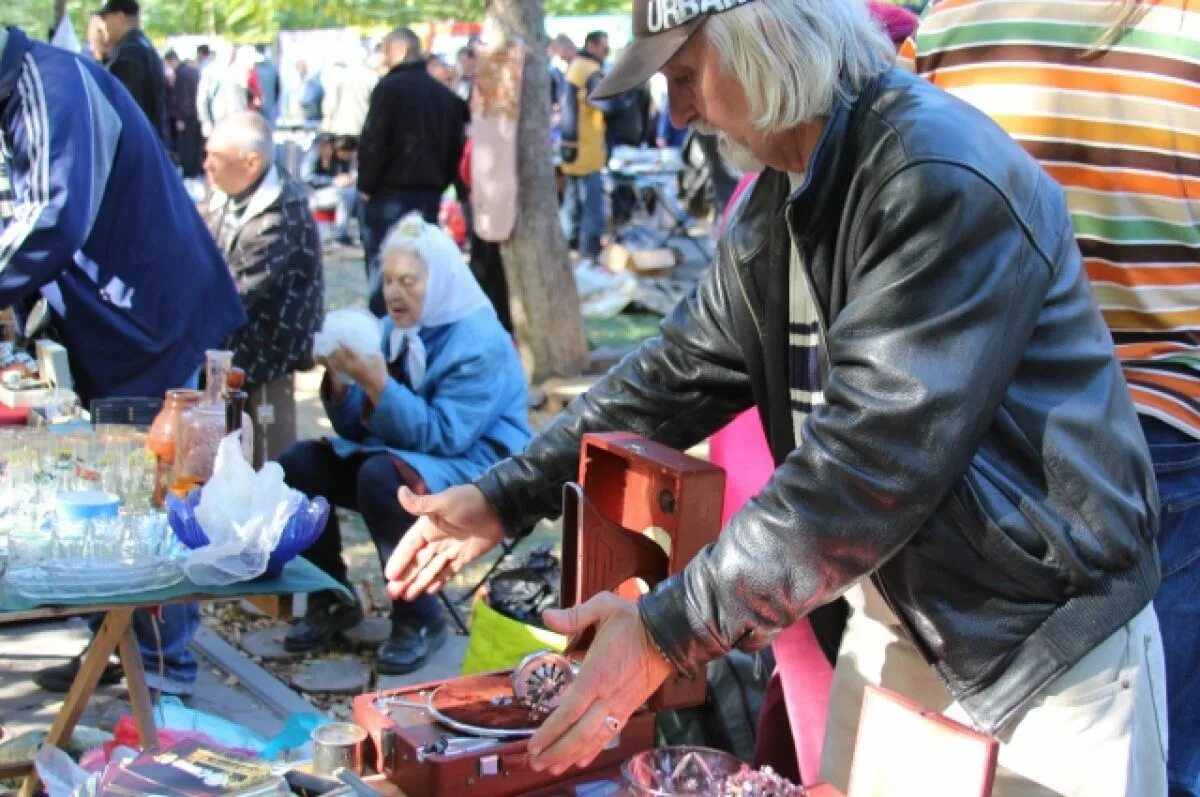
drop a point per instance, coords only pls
(301, 531)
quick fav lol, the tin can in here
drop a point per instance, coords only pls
(337, 745)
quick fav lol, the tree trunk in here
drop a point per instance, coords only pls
(60, 9)
(545, 303)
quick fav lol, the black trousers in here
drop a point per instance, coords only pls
(366, 483)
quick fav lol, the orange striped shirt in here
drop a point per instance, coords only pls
(1120, 131)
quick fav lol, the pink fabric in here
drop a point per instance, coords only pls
(741, 449)
(807, 680)
(899, 22)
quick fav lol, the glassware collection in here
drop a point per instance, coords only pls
(81, 510)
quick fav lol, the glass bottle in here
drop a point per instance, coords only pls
(162, 435)
(203, 426)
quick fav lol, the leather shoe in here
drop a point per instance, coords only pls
(410, 646)
(326, 616)
(59, 678)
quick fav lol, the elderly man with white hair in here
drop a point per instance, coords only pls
(260, 219)
(901, 297)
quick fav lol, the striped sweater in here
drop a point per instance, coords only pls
(1120, 130)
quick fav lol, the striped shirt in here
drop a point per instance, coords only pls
(1120, 130)
(804, 339)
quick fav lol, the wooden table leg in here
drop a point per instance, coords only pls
(116, 623)
(139, 696)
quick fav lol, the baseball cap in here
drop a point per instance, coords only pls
(128, 7)
(660, 28)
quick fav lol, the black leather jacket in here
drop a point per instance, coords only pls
(977, 454)
(136, 64)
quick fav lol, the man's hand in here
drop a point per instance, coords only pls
(621, 671)
(453, 529)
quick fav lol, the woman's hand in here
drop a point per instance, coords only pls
(333, 378)
(369, 371)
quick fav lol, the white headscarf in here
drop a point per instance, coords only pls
(451, 294)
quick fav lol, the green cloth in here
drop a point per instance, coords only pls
(299, 575)
(624, 331)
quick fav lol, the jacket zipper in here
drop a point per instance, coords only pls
(876, 579)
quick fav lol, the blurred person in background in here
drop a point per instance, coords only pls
(265, 84)
(465, 63)
(584, 148)
(346, 99)
(331, 170)
(97, 39)
(222, 90)
(260, 219)
(442, 72)
(410, 148)
(181, 111)
(133, 60)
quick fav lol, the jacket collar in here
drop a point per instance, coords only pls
(10, 62)
(770, 194)
(406, 66)
(132, 37)
(269, 190)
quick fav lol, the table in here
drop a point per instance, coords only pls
(385, 786)
(658, 183)
(116, 634)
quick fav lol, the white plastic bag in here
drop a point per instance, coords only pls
(243, 513)
(353, 327)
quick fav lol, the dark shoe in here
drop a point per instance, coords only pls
(60, 677)
(410, 646)
(326, 616)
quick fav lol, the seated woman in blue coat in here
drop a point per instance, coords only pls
(443, 401)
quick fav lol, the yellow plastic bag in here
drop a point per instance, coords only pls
(498, 642)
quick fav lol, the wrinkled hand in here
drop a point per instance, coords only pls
(370, 371)
(454, 528)
(621, 671)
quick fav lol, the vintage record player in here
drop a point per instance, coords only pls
(638, 514)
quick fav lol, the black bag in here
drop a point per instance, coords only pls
(728, 720)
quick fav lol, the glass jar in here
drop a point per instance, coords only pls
(161, 438)
(678, 772)
(202, 427)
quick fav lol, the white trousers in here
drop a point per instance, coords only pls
(1098, 730)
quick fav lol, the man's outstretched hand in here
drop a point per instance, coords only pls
(453, 528)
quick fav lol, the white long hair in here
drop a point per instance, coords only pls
(795, 56)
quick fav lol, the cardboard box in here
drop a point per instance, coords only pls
(644, 262)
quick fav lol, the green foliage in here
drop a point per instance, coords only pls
(32, 16)
(256, 20)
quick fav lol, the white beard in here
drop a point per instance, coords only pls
(735, 154)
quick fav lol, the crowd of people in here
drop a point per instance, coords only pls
(958, 292)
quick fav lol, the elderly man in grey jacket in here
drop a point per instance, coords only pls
(260, 219)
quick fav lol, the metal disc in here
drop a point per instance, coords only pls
(466, 705)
